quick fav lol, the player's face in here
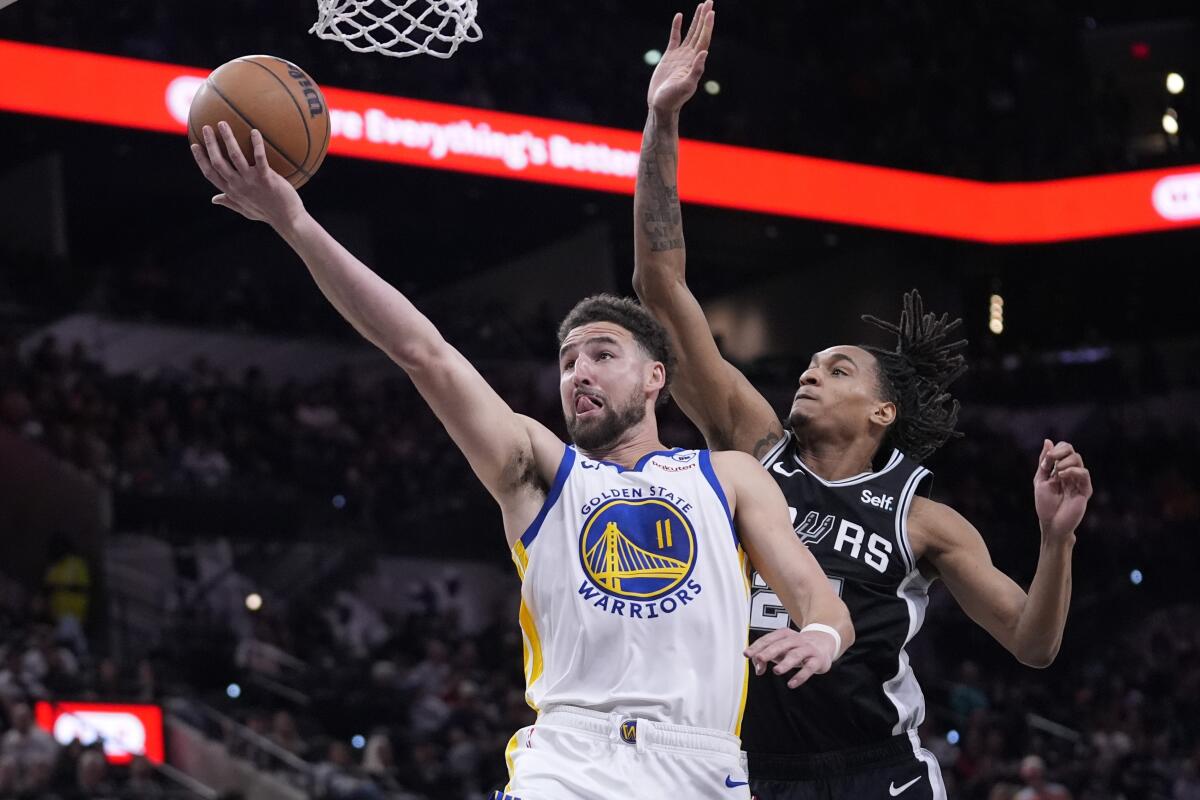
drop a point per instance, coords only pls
(606, 381)
(839, 390)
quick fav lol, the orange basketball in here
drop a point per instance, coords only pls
(279, 99)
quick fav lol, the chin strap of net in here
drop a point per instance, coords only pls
(399, 28)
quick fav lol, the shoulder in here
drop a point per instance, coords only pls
(734, 462)
(741, 475)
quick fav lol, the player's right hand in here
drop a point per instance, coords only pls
(810, 653)
(256, 192)
(678, 72)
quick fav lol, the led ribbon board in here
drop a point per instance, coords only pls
(154, 96)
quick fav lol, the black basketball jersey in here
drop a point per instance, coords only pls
(857, 530)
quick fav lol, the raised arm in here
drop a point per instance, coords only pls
(1029, 625)
(714, 394)
(761, 516)
(514, 456)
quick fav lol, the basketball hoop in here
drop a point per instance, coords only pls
(399, 28)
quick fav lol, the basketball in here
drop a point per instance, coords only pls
(279, 99)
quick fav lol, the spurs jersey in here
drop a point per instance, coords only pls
(857, 530)
(634, 593)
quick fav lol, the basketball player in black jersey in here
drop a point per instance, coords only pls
(848, 462)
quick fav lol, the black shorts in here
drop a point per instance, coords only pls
(895, 768)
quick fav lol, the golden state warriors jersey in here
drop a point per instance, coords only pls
(634, 594)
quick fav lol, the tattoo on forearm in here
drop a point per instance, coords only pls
(658, 190)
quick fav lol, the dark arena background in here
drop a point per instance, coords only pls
(239, 557)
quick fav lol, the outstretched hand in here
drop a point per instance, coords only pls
(255, 190)
(678, 73)
(1061, 488)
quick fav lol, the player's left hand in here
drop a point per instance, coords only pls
(1061, 488)
(810, 653)
(678, 72)
(255, 191)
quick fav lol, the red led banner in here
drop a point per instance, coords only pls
(154, 96)
(124, 730)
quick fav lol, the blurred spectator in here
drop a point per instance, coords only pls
(28, 752)
(1187, 785)
(205, 464)
(92, 779)
(379, 761)
(285, 733)
(1033, 775)
(336, 777)
(68, 583)
(967, 697)
(142, 782)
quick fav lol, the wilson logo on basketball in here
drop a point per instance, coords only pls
(315, 106)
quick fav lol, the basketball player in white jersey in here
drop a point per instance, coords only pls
(635, 594)
(849, 465)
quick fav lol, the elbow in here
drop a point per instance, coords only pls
(639, 280)
(651, 284)
(1036, 653)
(642, 284)
(1037, 658)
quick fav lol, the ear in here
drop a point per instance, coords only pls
(883, 414)
(656, 376)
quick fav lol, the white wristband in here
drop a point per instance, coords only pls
(837, 637)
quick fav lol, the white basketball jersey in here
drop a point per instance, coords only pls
(634, 594)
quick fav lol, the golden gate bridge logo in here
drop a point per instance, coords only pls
(638, 549)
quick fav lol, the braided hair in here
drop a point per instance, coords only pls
(915, 377)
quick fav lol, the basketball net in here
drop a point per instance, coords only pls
(399, 28)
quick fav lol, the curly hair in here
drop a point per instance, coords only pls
(915, 376)
(630, 315)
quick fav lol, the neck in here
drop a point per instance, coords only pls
(631, 445)
(833, 459)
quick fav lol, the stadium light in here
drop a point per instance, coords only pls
(712, 87)
(996, 314)
(1175, 83)
(652, 57)
(1170, 122)
(254, 601)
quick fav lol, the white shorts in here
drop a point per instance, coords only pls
(576, 754)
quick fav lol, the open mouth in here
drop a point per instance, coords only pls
(586, 403)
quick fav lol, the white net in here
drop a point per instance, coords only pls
(399, 28)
